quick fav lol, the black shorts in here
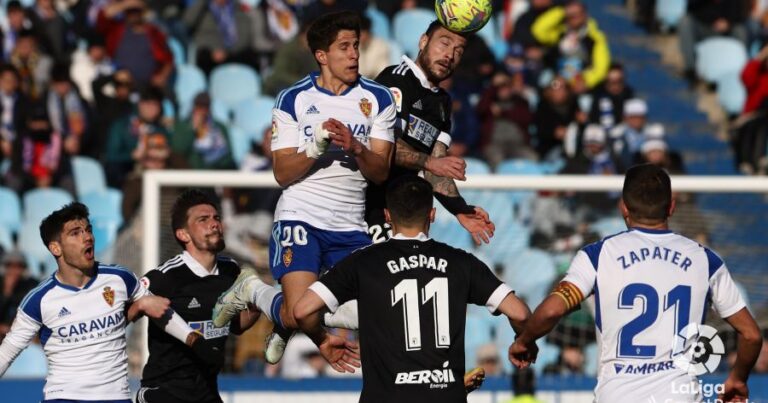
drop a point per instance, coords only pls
(158, 394)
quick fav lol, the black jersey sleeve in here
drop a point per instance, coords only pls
(342, 282)
(484, 287)
(401, 90)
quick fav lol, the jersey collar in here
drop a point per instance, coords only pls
(313, 76)
(652, 231)
(196, 267)
(421, 237)
(73, 288)
(419, 73)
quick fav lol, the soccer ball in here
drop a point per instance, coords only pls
(463, 16)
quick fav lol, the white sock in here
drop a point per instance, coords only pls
(263, 297)
(345, 316)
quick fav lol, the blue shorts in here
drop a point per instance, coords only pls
(298, 246)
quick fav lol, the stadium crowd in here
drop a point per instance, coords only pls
(124, 82)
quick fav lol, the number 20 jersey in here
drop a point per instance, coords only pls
(649, 285)
(412, 299)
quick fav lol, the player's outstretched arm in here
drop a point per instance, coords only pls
(373, 162)
(150, 305)
(22, 332)
(341, 354)
(565, 297)
(749, 343)
(245, 320)
(474, 219)
(446, 166)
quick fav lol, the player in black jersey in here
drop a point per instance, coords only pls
(423, 132)
(413, 294)
(192, 281)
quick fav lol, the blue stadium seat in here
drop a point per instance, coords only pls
(10, 214)
(254, 115)
(490, 33)
(221, 111)
(608, 226)
(31, 363)
(395, 52)
(6, 241)
(531, 272)
(177, 49)
(669, 12)
(41, 262)
(105, 206)
(89, 176)
(38, 203)
(731, 93)
(718, 56)
(510, 239)
(407, 27)
(233, 83)
(239, 143)
(519, 167)
(190, 81)
(379, 23)
(476, 166)
(479, 330)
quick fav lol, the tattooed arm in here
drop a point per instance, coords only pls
(441, 165)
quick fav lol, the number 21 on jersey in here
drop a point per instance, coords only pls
(435, 291)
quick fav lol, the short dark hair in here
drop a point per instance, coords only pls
(409, 200)
(647, 192)
(186, 200)
(433, 26)
(325, 29)
(51, 226)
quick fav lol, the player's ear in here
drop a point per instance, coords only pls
(623, 209)
(672, 206)
(423, 42)
(182, 235)
(321, 57)
(387, 216)
(432, 215)
(55, 248)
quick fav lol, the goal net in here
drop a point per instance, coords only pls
(541, 221)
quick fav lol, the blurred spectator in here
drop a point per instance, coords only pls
(488, 359)
(39, 158)
(656, 151)
(523, 34)
(504, 116)
(154, 154)
(475, 69)
(595, 158)
(314, 9)
(524, 60)
(706, 18)
(302, 359)
(465, 134)
(66, 110)
(755, 79)
(33, 66)
(128, 136)
(523, 386)
(628, 137)
(374, 51)
(134, 44)
(52, 30)
(89, 64)
(293, 61)
(570, 362)
(17, 21)
(12, 106)
(578, 49)
(112, 100)
(556, 110)
(609, 97)
(222, 33)
(203, 141)
(15, 283)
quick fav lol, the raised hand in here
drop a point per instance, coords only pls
(523, 355)
(479, 225)
(734, 390)
(342, 137)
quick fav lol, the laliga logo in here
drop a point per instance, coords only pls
(698, 349)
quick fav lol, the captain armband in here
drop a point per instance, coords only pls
(570, 294)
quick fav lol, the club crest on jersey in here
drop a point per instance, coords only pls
(274, 129)
(109, 295)
(398, 96)
(287, 257)
(365, 107)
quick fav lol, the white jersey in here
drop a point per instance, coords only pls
(332, 194)
(82, 332)
(648, 286)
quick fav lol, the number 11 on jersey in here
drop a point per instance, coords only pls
(436, 290)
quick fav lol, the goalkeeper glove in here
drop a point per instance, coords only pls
(321, 139)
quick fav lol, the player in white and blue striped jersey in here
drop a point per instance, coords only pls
(652, 290)
(80, 315)
(332, 132)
